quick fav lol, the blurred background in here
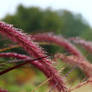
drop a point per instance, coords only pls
(70, 18)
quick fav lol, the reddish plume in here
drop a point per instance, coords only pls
(77, 61)
(58, 40)
(86, 44)
(34, 50)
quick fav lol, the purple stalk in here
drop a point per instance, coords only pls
(34, 50)
(77, 61)
(36, 63)
(58, 40)
(14, 55)
(86, 44)
(28, 60)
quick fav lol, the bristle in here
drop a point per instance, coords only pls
(77, 61)
(35, 51)
(86, 44)
(58, 40)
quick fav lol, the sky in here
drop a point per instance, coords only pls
(83, 7)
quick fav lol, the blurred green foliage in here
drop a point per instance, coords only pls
(35, 19)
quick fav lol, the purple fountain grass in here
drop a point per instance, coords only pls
(77, 61)
(58, 40)
(34, 50)
(21, 57)
(24, 58)
(86, 44)
(14, 55)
